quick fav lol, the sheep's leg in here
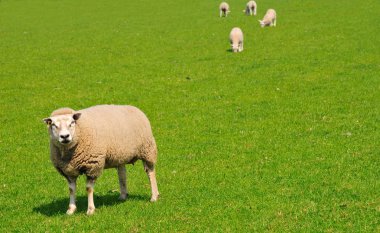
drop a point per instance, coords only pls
(72, 188)
(254, 12)
(122, 182)
(274, 22)
(241, 47)
(90, 193)
(220, 13)
(149, 169)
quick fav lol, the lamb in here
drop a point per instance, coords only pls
(269, 18)
(236, 39)
(251, 8)
(224, 9)
(100, 137)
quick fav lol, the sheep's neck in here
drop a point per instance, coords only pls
(66, 152)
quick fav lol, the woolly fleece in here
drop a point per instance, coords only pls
(106, 136)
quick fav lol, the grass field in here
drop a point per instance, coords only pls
(283, 137)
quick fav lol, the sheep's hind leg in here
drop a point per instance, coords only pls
(90, 193)
(72, 188)
(149, 169)
(122, 182)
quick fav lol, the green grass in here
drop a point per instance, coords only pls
(283, 137)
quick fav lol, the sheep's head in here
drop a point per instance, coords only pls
(62, 127)
(235, 47)
(262, 23)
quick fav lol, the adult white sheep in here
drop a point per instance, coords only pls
(224, 9)
(236, 39)
(269, 18)
(251, 8)
(104, 136)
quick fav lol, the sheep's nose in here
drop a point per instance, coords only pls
(66, 136)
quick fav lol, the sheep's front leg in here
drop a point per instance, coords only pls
(122, 182)
(72, 188)
(90, 193)
(149, 169)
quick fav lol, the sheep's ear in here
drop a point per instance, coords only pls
(76, 116)
(47, 121)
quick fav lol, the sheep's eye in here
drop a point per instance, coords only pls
(72, 123)
(53, 126)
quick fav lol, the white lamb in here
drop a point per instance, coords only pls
(105, 136)
(269, 18)
(251, 8)
(236, 39)
(224, 9)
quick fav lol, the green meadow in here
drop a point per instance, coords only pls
(282, 137)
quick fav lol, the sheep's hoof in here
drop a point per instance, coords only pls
(71, 210)
(123, 197)
(90, 211)
(154, 198)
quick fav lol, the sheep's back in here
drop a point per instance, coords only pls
(270, 14)
(119, 131)
(236, 35)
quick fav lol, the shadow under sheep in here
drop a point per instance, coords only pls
(59, 206)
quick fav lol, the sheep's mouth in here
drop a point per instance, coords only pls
(65, 141)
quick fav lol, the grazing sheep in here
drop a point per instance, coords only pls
(269, 18)
(224, 9)
(236, 39)
(105, 136)
(251, 8)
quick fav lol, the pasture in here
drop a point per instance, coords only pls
(282, 137)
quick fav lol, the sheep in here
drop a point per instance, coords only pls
(251, 8)
(224, 9)
(269, 18)
(100, 137)
(236, 39)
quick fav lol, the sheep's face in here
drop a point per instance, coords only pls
(262, 24)
(62, 127)
(235, 47)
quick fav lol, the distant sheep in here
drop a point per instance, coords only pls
(224, 9)
(236, 39)
(105, 136)
(251, 8)
(269, 18)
